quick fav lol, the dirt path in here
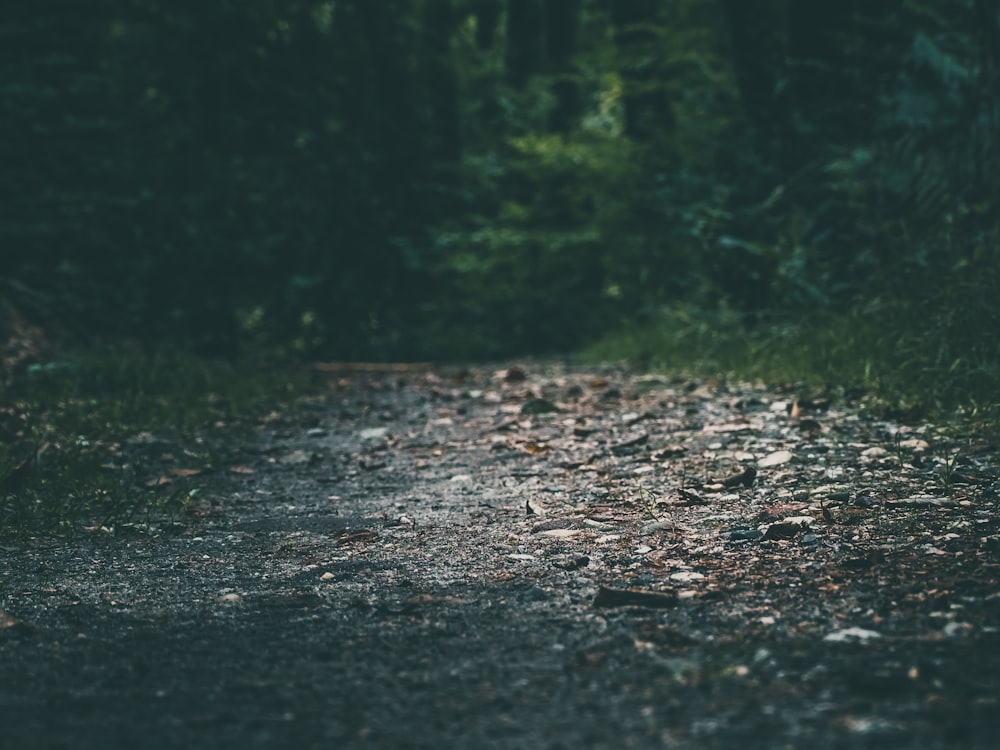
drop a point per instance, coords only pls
(532, 557)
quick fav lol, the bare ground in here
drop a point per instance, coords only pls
(534, 556)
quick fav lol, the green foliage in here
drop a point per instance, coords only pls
(416, 179)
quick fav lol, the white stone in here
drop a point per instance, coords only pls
(775, 459)
(850, 635)
(686, 576)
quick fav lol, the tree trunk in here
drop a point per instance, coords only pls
(648, 112)
(562, 19)
(441, 86)
(525, 50)
(487, 17)
(989, 106)
(755, 32)
(824, 99)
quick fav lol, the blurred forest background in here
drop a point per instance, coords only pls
(807, 183)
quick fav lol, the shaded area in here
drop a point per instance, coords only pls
(432, 675)
(418, 560)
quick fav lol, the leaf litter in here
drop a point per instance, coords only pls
(538, 555)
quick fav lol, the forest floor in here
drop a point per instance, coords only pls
(536, 556)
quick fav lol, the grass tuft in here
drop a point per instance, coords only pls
(902, 365)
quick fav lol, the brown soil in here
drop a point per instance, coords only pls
(534, 557)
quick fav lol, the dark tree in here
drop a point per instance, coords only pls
(525, 54)
(648, 112)
(757, 48)
(487, 18)
(562, 19)
(810, 74)
(816, 98)
(987, 21)
(444, 134)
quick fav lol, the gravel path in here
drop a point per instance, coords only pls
(533, 556)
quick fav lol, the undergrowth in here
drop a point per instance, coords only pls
(84, 441)
(906, 368)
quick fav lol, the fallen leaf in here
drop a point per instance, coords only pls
(689, 497)
(351, 537)
(745, 477)
(553, 524)
(515, 374)
(13, 629)
(782, 530)
(535, 448)
(7, 622)
(661, 524)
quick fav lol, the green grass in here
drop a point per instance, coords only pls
(933, 367)
(81, 440)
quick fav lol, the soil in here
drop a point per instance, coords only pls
(529, 556)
